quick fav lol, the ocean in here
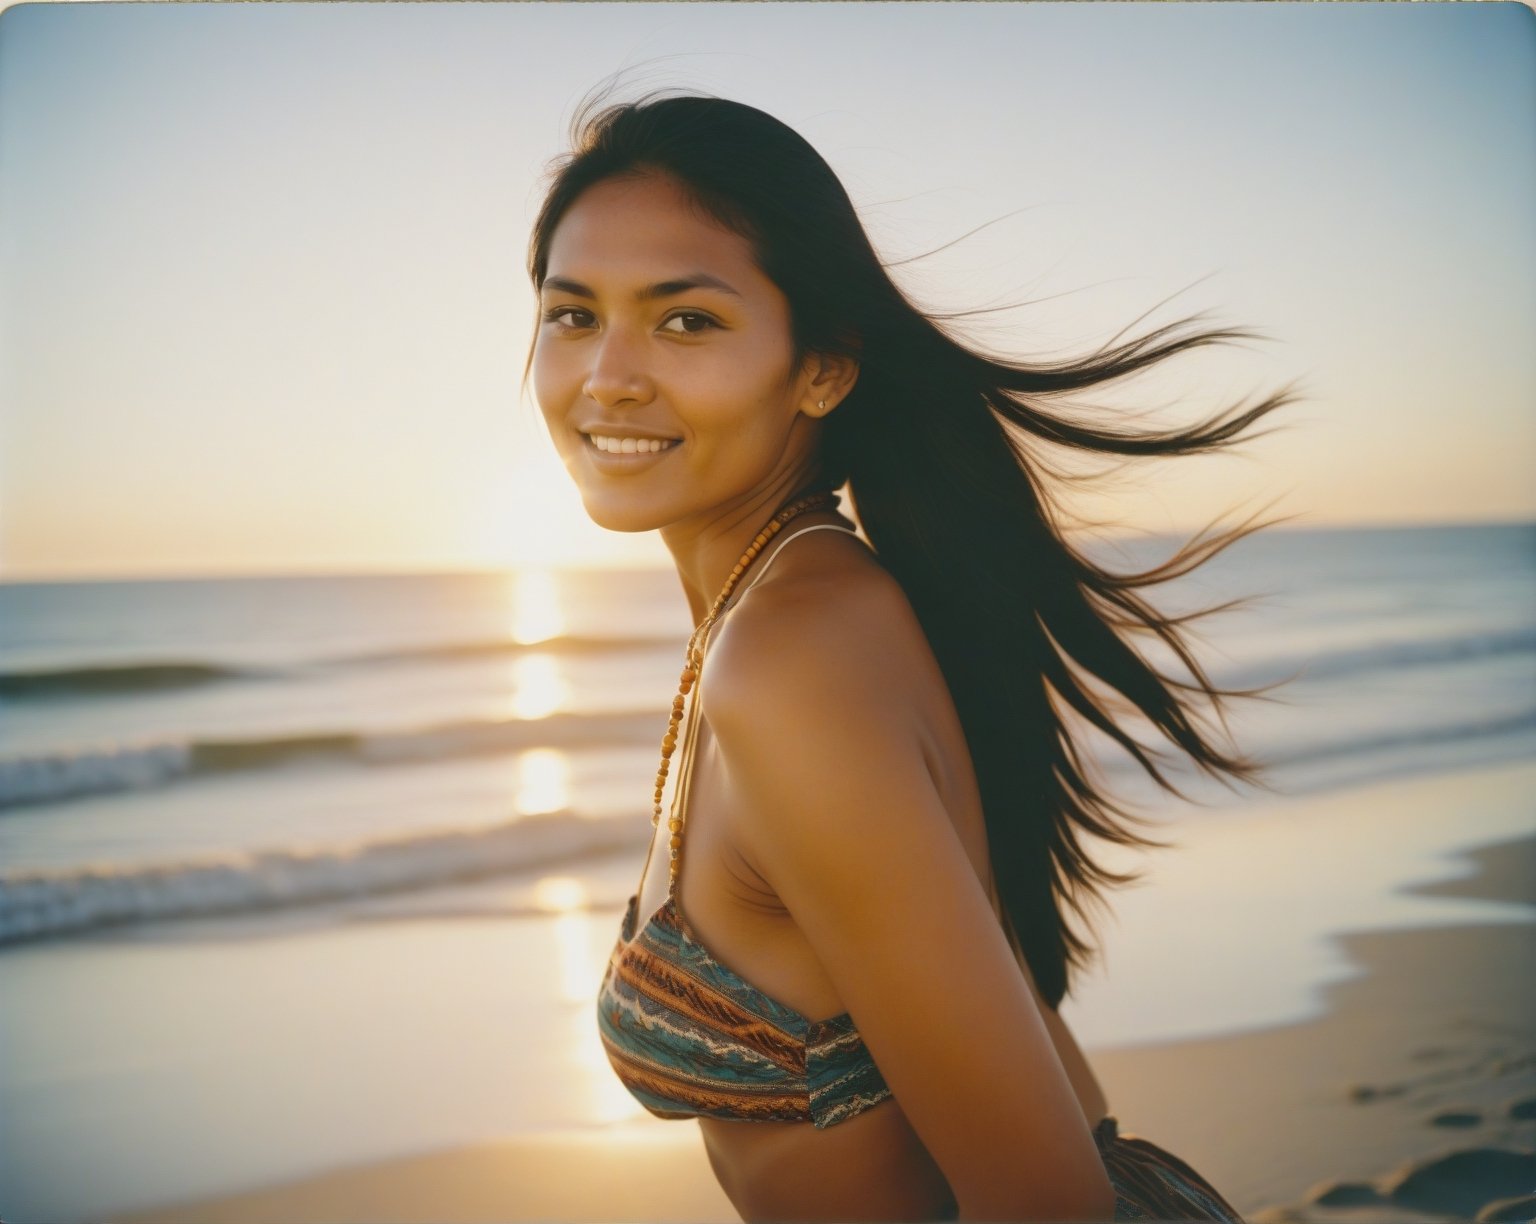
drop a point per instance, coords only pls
(304, 872)
(180, 748)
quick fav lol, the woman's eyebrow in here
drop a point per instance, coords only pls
(670, 288)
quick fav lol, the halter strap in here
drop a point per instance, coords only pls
(682, 787)
(774, 556)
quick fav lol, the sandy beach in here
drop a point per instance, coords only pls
(1413, 1097)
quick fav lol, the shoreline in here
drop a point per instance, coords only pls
(1424, 1055)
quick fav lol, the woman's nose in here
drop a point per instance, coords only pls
(618, 372)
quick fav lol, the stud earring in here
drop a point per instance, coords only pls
(822, 404)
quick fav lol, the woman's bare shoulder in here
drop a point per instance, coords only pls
(840, 616)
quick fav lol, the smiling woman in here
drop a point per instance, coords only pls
(883, 800)
(663, 346)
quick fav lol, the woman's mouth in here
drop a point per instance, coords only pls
(617, 447)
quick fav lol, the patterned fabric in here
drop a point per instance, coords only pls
(1153, 1184)
(688, 1037)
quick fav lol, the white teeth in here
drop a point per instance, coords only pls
(629, 446)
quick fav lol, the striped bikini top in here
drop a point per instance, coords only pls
(689, 1037)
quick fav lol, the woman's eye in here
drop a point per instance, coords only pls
(691, 323)
(568, 316)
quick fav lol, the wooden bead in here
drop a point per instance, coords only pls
(693, 662)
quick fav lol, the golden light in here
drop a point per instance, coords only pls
(536, 615)
(543, 781)
(580, 947)
(608, 1101)
(538, 689)
(560, 894)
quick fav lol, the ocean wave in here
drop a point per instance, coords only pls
(121, 677)
(58, 775)
(1406, 737)
(38, 903)
(566, 644)
(101, 678)
(98, 769)
(45, 777)
(1381, 657)
(35, 904)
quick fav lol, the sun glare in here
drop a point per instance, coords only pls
(538, 689)
(536, 614)
(543, 781)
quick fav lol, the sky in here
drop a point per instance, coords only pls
(263, 305)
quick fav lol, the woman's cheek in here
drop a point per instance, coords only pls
(549, 389)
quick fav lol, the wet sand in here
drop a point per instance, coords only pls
(1413, 1097)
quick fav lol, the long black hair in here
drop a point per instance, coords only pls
(944, 451)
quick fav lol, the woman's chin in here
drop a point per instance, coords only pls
(621, 514)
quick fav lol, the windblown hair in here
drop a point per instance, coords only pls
(940, 447)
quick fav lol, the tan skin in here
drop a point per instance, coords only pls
(655, 317)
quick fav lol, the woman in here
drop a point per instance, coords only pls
(882, 803)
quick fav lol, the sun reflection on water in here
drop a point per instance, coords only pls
(578, 938)
(536, 614)
(543, 782)
(538, 688)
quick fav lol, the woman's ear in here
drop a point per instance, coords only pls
(829, 379)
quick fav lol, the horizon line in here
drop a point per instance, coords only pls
(33, 576)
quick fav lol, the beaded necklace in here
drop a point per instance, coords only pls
(694, 660)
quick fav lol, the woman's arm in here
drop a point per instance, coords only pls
(815, 724)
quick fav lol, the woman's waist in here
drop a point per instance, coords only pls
(870, 1167)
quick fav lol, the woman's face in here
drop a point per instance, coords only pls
(657, 324)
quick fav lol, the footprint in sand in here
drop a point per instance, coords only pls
(1343, 1194)
(1456, 1118)
(1461, 1183)
(1360, 1093)
(1503, 1211)
(1427, 1053)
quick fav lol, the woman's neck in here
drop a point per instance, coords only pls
(706, 555)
